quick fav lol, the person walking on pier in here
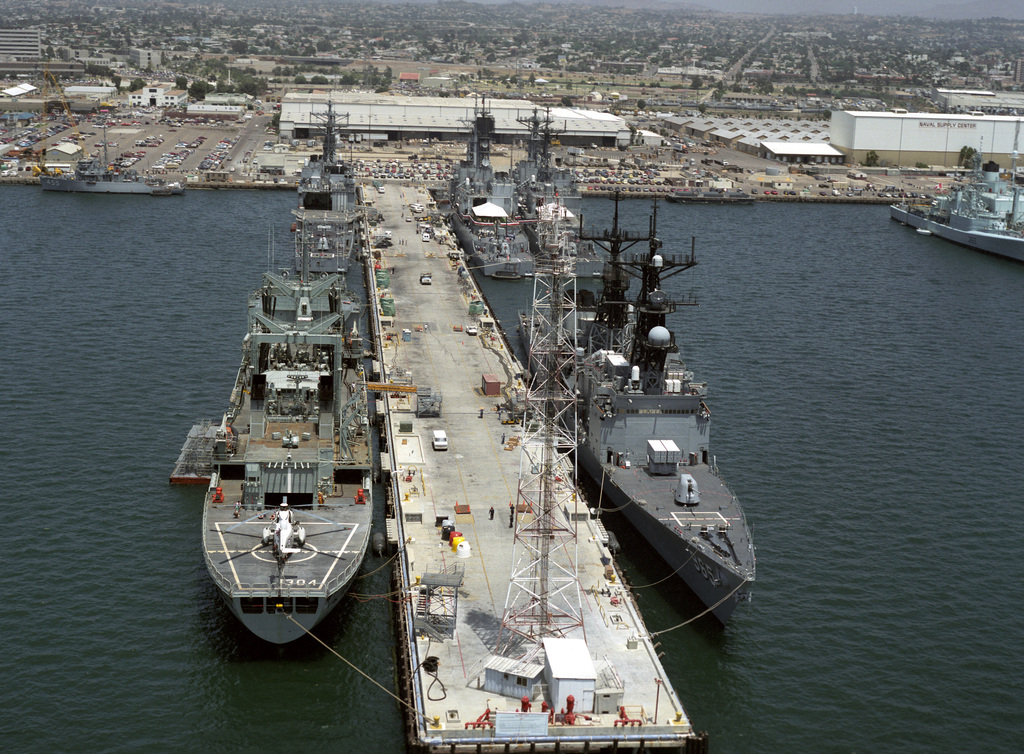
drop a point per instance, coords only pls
(492, 513)
(511, 514)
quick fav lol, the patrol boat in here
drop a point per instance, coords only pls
(644, 426)
(288, 510)
(484, 209)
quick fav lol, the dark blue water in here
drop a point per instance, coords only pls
(865, 389)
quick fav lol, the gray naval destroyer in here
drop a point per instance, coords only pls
(484, 209)
(288, 511)
(644, 421)
(327, 219)
(985, 215)
(94, 176)
(548, 193)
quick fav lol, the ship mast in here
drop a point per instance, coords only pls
(543, 597)
(635, 333)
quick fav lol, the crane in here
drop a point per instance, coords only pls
(51, 79)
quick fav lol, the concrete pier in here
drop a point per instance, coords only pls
(460, 696)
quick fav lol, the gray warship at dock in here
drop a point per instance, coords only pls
(94, 176)
(327, 220)
(986, 215)
(288, 511)
(549, 193)
(484, 209)
(645, 427)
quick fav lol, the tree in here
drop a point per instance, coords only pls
(871, 159)
(136, 85)
(180, 82)
(566, 101)
(116, 80)
(966, 155)
(300, 79)
(198, 90)
(239, 47)
(641, 104)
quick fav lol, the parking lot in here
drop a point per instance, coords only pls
(149, 145)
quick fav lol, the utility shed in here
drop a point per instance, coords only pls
(512, 678)
(569, 669)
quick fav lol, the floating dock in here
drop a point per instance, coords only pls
(452, 516)
(195, 462)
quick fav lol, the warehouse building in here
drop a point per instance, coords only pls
(902, 138)
(975, 100)
(396, 118)
(814, 152)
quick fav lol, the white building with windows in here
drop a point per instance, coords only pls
(21, 44)
(161, 95)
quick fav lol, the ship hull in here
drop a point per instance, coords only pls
(720, 589)
(276, 627)
(996, 244)
(711, 198)
(510, 268)
(76, 186)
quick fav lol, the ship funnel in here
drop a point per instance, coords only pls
(686, 491)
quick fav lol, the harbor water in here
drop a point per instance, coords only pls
(866, 407)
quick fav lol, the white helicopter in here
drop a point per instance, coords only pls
(288, 537)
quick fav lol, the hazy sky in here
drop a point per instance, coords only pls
(931, 8)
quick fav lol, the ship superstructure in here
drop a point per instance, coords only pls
(484, 209)
(547, 193)
(327, 220)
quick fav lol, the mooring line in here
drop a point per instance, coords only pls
(364, 675)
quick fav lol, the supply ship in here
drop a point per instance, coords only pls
(484, 209)
(645, 423)
(287, 514)
(985, 215)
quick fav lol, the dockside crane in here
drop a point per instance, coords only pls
(52, 82)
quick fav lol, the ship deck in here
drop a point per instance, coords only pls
(337, 531)
(426, 343)
(717, 507)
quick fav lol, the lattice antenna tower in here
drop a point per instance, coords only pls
(543, 595)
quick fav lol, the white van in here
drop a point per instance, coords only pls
(440, 440)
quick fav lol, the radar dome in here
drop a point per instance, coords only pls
(659, 337)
